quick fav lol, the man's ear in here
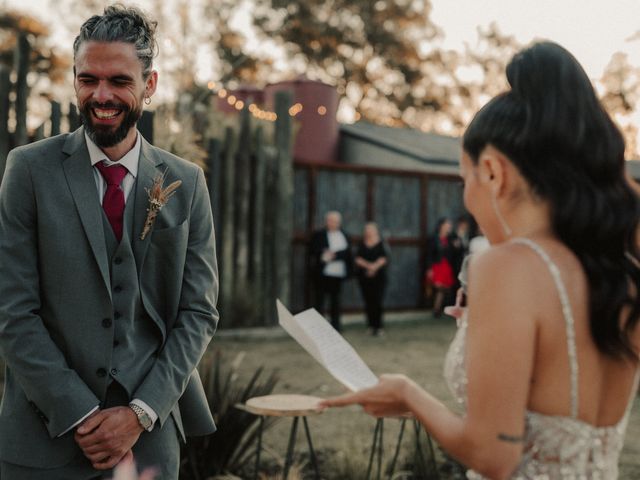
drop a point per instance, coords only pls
(492, 168)
(151, 84)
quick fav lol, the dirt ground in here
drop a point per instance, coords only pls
(415, 347)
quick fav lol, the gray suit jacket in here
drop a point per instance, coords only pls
(55, 292)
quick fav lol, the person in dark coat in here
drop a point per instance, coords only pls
(371, 269)
(459, 244)
(331, 263)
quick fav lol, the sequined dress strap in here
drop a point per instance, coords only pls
(568, 318)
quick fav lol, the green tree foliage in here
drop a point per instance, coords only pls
(229, 45)
(386, 60)
(379, 54)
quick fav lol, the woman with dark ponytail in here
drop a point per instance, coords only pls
(545, 361)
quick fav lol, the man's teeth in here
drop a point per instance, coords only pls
(105, 114)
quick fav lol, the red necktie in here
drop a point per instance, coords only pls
(113, 200)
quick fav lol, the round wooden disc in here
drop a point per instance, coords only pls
(285, 405)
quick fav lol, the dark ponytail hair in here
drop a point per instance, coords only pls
(555, 131)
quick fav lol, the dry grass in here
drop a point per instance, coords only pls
(344, 436)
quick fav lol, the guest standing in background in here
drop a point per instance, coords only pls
(371, 268)
(440, 274)
(331, 262)
(460, 239)
(459, 243)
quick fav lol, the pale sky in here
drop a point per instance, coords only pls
(590, 29)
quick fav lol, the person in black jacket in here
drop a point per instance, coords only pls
(459, 240)
(371, 268)
(331, 263)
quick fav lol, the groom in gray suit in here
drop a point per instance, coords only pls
(106, 304)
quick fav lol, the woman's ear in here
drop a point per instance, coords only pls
(492, 170)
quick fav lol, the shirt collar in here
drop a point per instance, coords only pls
(130, 160)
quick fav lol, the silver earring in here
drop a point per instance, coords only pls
(147, 100)
(503, 223)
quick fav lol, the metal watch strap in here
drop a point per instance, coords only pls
(143, 417)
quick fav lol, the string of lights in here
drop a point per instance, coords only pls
(255, 110)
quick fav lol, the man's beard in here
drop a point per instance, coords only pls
(105, 137)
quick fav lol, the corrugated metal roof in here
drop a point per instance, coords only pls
(417, 144)
(431, 148)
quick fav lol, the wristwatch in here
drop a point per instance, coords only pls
(143, 417)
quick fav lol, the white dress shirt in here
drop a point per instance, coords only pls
(129, 161)
(337, 242)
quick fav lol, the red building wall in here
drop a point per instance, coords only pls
(315, 105)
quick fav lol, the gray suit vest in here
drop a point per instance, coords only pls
(136, 341)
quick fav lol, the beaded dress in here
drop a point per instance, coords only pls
(555, 447)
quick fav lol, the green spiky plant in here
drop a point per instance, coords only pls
(230, 448)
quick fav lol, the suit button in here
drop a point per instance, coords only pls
(116, 343)
(117, 289)
(117, 260)
(114, 371)
(117, 315)
(101, 372)
(106, 322)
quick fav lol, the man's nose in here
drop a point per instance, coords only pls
(103, 93)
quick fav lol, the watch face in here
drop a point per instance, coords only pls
(145, 421)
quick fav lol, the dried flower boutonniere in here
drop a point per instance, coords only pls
(158, 198)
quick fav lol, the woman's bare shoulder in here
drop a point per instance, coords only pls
(510, 261)
(512, 274)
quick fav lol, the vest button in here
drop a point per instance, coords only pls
(106, 322)
(117, 315)
(117, 289)
(101, 372)
(117, 260)
(114, 371)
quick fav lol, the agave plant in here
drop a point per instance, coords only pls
(227, 450)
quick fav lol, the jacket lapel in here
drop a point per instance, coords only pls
(79, 174)
(148, 169)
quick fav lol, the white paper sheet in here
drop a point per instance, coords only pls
(327, 346)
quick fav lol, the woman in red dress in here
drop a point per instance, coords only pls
(440, 275)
